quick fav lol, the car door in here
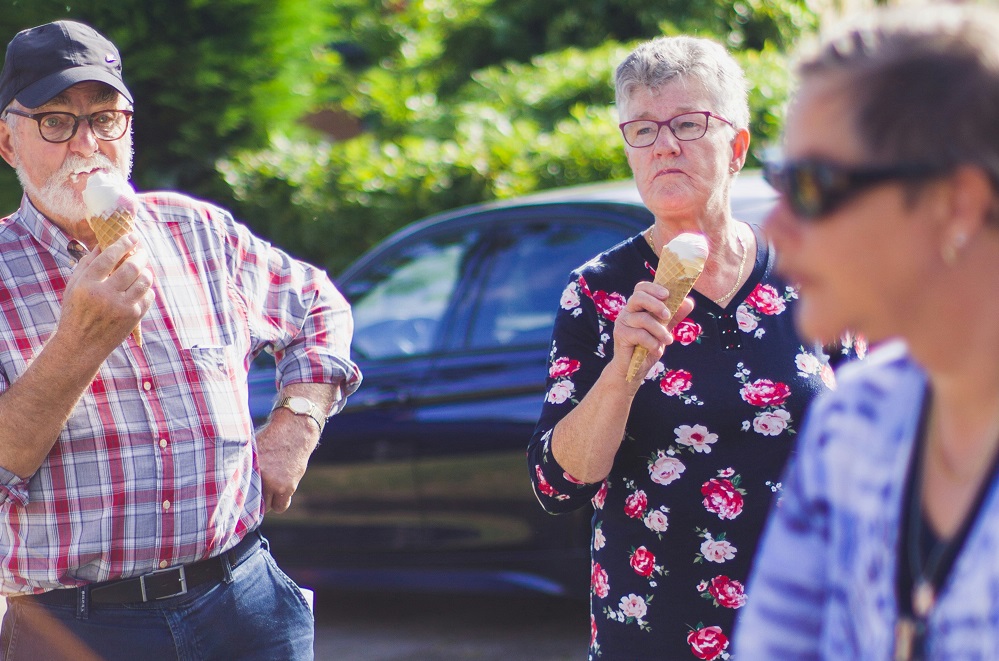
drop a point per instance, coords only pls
(357, 506)
(486, 389)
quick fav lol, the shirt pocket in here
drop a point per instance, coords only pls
(218, 391)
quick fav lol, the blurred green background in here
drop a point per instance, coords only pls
(327, 124)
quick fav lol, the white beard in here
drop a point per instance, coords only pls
(56, 198)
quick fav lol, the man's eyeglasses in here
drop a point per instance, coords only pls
(688, 126)
(58, 127)
(815, 188)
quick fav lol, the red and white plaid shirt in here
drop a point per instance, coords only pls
(157, 465)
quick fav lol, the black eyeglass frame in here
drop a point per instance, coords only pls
(815, 188)
(39, 116)
(659, 127)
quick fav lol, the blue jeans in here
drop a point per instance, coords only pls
(260, 615)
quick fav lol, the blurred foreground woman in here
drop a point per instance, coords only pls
(885, 542)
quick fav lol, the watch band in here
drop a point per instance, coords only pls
(303, 406)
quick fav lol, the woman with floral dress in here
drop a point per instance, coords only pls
(681, 466)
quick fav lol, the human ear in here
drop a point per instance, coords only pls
(740, 150)
(7, 143)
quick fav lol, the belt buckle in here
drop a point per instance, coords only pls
(181, 579)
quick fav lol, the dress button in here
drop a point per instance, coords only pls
(147, 386)
(166, 504)
(163, 443)
(164, 564)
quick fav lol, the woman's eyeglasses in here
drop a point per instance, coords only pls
(815, 188)
(687, 126)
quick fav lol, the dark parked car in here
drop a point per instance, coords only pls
(421, 482)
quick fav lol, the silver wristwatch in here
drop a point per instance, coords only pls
(303, 406)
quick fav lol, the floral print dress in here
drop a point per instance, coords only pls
(677, 520)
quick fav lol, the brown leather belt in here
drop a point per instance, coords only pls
(161, 584)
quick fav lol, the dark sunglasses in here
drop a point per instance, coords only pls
(816, 188)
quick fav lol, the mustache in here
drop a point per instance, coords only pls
(75, 165)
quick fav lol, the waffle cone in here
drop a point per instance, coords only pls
(678, 276)
(108, 230)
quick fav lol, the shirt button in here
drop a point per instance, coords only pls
(147, 386)
(164, 564)
(163, 443)
(166, 504)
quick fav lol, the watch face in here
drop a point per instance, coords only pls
(299, 405)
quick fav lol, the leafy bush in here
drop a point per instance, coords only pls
(460, 100)
(513, 129)
(208, 76)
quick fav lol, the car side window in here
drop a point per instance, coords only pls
(399, 303)
(528, 270)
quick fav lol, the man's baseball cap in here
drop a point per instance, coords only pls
(43, 61)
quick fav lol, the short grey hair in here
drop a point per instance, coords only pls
(923, 85)
(688, 60)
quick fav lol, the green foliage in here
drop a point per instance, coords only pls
(460, 100)
(208, 76)
(512, 129)
(769, 77)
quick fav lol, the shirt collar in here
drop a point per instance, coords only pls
(47, 233)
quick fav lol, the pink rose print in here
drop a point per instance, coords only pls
(636, 504)
(570, 297)
(717, 550)
(727, 592)
(633, 606)
(665, 469)
(687, 332)
(807, 363)
(698, 438)
(771, 423)
(561, 392)
(643, 562)
(543, 485)
(657, 522)
(609, 305)
(675, 382)
(722, 498)
(764, 392)
(600, 497)
(563, 367)
(747, 320)
(593, 630)
(707, 643)
(828, 376)
(598, 579)
(767, 300)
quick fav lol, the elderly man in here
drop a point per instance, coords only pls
(132, 483)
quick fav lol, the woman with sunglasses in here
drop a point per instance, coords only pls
(885, 543)
(682, 462)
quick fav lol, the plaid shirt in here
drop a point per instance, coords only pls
(157, 465)
(823, 586)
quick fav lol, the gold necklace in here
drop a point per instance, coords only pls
(738, 278)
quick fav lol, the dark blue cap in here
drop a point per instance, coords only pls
(44, 61)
